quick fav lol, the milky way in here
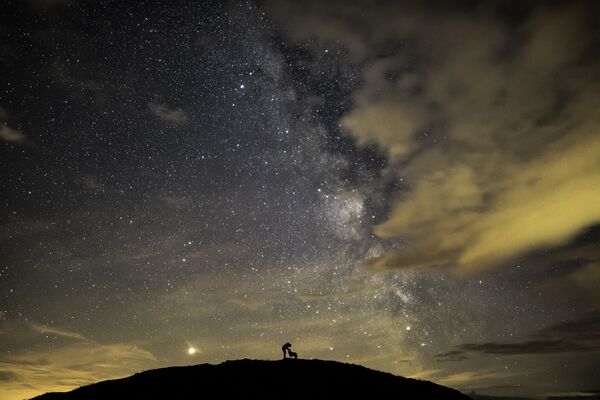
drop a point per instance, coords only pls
(408, 188)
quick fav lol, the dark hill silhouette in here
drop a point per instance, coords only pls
(258, 379)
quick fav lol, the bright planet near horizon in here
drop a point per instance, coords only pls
(411, 186)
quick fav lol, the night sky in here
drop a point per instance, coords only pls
(409, 186)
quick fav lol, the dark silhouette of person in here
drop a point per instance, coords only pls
(285, 348)
(292, 354)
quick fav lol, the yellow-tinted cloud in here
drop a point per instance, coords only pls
(6, 132)
(544, 203)
(584, 280)
(11, 135)
(168, 114)
(75, 362)
(69, 367)
(44, 329)
(385, 124)
(466, 378)
(494, 128)
(248, 302)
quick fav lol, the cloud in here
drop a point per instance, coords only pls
(577, 335)
(493, 125)
(7, 133)
(30, 369)
(584, 280)
(389, 125)
(44, 329)
(92, 183)
(475, 396)
(473, 392)
(175, 201)
(248, 302)
(579, 272)
(11, 135)
(168, 114)
(314, 20)
(310, 296)
(528, 347)
(585, 394)
(68, 367)
(453, 355)
(584, 329)
(23, 227)
(461, 378)
(7, 376)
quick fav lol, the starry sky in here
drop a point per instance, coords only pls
(410, 186)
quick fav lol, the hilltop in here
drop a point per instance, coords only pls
(261, 379)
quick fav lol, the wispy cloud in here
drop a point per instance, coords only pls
(73, 362)
(11, 135)
(461, 378)
(583, 280)
(45, 329)
(176, 201)
(251, 303)
(7, 133)
(452, 355)
(168, 114)
(92, 183)
(577, 335)
(495, 138)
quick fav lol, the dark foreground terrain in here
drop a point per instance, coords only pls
(257, 379)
